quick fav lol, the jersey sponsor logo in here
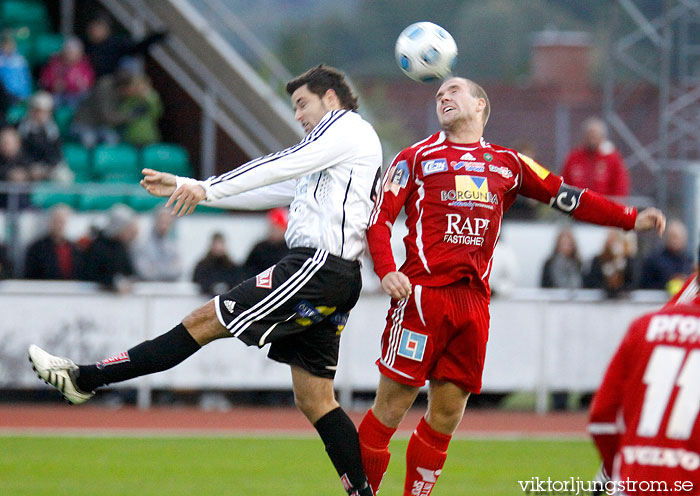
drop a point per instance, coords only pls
(264, 279)
(467, 156)
(468, 231)
(398, 175)
(674, 329)
(433, 150)
(488, 157)
(310, 314)
(230, 305)
(541, 172)
(412, 345)
(567, 199)
(433, 166)
(470, 188)
(503, 171)
(339, 320)
(661, 457)
(121, 357)
(468, 166)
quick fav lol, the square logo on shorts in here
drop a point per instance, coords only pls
(412, 345)
(264, 279)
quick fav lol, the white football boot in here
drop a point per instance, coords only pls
(59, 373)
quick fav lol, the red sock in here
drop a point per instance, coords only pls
(425, 456)
(374, 443)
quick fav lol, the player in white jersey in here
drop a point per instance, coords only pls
(301, 304)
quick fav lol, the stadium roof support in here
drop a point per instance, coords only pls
(658, 48)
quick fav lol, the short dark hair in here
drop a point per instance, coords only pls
(478, 92)
(323, 78)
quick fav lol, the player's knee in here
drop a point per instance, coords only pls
(203, 324)
(445, 419)
(314, 406)
(390, 413)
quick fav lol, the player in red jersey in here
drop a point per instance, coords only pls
(454, 187)
(644, 417)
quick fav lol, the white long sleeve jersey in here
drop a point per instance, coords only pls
(328, 178)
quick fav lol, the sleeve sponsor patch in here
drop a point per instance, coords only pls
(398, 177)
(541, 172)
(567, 199)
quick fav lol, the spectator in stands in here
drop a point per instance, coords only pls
(68, 75)
(272, 249)
(670, 265)
(216, 272)
(41, 140)
(106, 49)
(14, 69)
(611, 270)
(6, 270)
(6, 101)
(143, 107)
(53, 256)
(596, 163)
(98, 116)
(563, 267)
(14, 163)
(158, 258)
(108, 259)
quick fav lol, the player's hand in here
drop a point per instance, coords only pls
(158, 183)
(651, 218)
(396, 285)
(185, 199)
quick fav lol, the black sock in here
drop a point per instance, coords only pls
(343, 447)
(156, 355)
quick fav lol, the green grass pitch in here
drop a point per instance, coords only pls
(217, 466)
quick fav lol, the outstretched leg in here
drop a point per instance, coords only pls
(390, 406)
(315, 397)
(427, 448)
(77, 382)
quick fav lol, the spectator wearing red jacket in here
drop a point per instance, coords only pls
(68, 76)
(596, 164)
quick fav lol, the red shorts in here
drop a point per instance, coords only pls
(437, 333)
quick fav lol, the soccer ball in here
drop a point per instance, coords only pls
(425, 52)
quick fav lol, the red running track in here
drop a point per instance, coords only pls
(249, 420)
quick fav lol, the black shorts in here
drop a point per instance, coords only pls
(299, 306)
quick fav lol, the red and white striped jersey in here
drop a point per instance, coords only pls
(644, 417)
(455, 196)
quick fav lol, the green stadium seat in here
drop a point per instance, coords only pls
(97, 197)
(141, 201)
(45, 196)
(44, 46)
(78, 159)
(31, 14)
(16, 113)
(166, 157)
(63, 117)
(116, 163)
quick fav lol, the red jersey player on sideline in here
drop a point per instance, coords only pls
(644, 417)
(454, 187)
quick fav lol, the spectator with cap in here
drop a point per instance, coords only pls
(41, 140)
(669, 266)
(216, 273)
(53, 256)
(14, 69)
(68, 75)
(158, 258)
(273, 248)
(106, 49)
(108, 258)
(596, 163)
